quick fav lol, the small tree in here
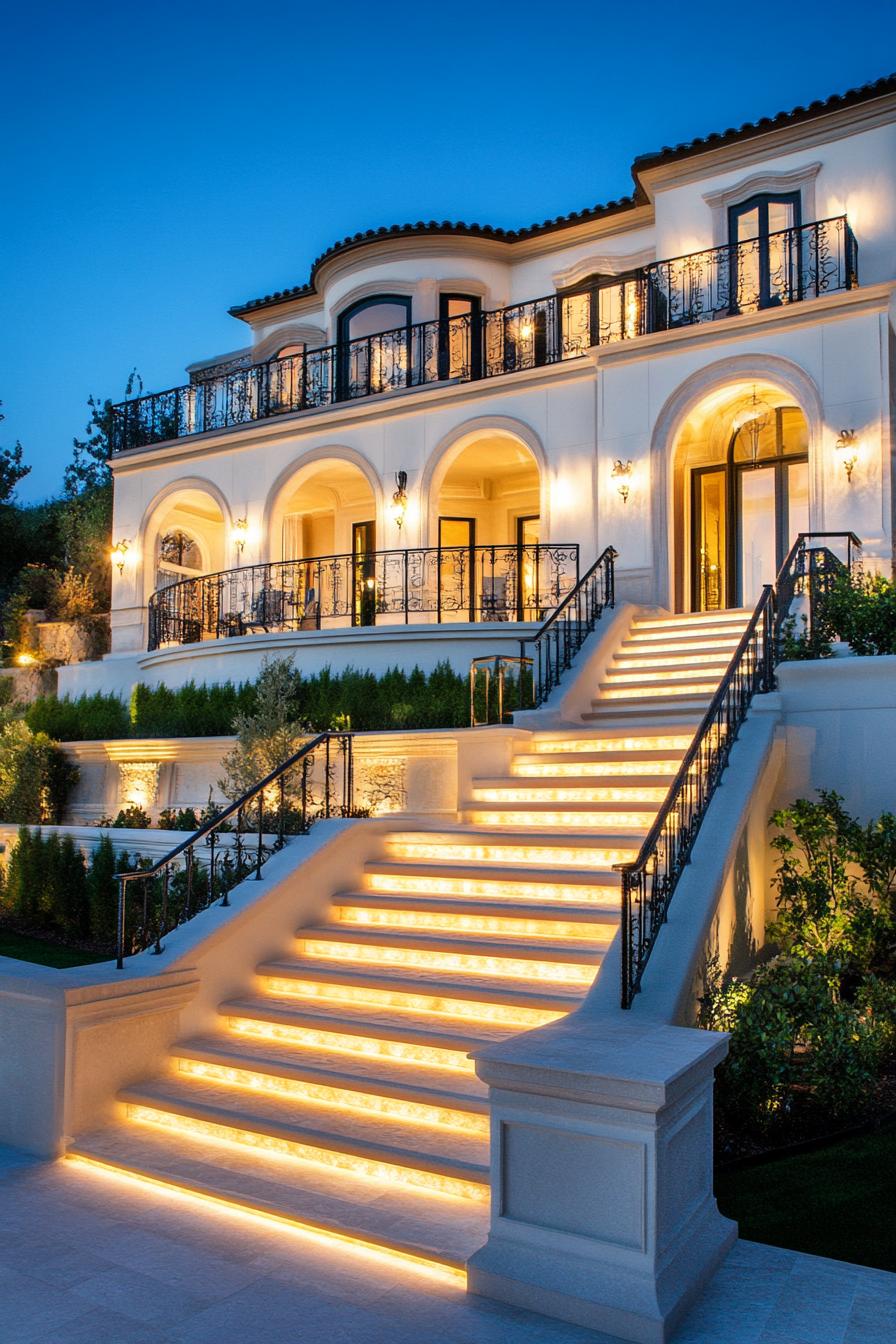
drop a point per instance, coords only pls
(268, 735)
(35, 776)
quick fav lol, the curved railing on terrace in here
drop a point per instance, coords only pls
(790, 266)
(437, 584)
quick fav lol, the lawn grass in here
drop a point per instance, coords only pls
(46, 954)
(836, 1201)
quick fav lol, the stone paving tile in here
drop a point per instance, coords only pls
(138, 1296)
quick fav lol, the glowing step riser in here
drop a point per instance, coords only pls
(450, 963)
(425, 922)
(568, 821)
(338, 1098)
(545, 893)
(359, 1047)
(638, 692)
(310, 1233)
(663, 664)
(514, 856)
(607, 770)
(561, 794)
(658, 680)
(289, 1150)
(595, 745)
(427, 1005)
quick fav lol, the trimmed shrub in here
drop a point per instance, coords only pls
(36, 777)
(85, 719)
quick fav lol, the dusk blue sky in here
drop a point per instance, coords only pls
(162, 162)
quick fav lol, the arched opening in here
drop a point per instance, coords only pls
(741, 488)
(186, 538)
(486, 523)
(328, 510)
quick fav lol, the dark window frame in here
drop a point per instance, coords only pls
(760, 202)
(444, 353)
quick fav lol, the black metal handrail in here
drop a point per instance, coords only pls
(551, 649)
(440, 583)
(172, 894)
(799, 263)
(649, 881)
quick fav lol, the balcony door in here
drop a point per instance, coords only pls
(456, 570)
(364, 573)
(765, 262)
(746, 513)
(460, 336)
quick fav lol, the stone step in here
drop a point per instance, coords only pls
(595, 886)
(338, 1204)
(382, 943)
(663, 676)
(505, 911)
(427, 1159)
(697, 620)
(477, 845)
(546, 788)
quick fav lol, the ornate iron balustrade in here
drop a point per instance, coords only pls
(800, 263)
(649, 881)
(314, 783)
(435, 584)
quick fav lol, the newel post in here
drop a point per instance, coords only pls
(602, 1201)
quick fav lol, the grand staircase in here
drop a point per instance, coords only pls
(336, 1094)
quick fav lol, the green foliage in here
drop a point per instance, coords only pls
(85, 719)
(36, 778)
(190, 711)
(812, 1028)
(267, 736)
(133, 818)
(180, 819)
(861, 609)
(801, 647)
(12, 469)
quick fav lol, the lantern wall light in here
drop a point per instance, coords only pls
(241, 534)
(622, 474)
(118, 553)
(847, 447)
(400, 499)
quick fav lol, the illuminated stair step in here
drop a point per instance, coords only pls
(653, 774)
(571, 963)
(573, 818)
(545, 791)
(514, 918)
(639, 660)
(379, 1150)
(425, 1096)
(659, 678)
(511, 884)
(698, 620)
(619, 746)
(478, 846)
(440, 993)
(680, 641)
(400, 1227)
(688, 690)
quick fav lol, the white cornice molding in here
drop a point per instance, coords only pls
(289, 333)
(800, 179)
(603, 263)
(837, 125)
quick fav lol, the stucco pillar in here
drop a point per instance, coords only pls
(602, 1205)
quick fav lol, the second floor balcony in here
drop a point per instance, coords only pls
(780, 269)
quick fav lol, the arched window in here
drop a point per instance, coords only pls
(285, 373)
(374, 338)
(177, 557)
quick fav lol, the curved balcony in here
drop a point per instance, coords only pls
(787, 267)
(434, 585)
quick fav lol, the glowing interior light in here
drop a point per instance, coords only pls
(527, 768)
(230, 1207)
(570, 821)
(542, 856)
(466, 1010)
(585, 793)
(452, 963)
(365, 1047)
(338, 1098)
(435, 921)
(294, 1150)
(493, 889)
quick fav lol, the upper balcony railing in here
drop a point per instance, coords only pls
(784, 268)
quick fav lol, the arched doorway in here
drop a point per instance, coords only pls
(324, 533)
(742, 495)
(185, 544)
(486, 523)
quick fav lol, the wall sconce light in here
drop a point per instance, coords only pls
(622, 472)
(241, 534)
(400, 499)
(25, 659)
(847, 447)
(118, 553)
(526, 330)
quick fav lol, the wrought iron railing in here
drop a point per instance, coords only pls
(434, 584)
(649, 881)
(796, 264)
(315, 782)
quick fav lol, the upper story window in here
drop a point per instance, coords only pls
(601, 308)
(177, 557)
(765, 263)
(285, 377)
(460, 345)
(374, 340)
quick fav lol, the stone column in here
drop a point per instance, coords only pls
(602, 1205)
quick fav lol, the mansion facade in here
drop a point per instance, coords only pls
(417, 452)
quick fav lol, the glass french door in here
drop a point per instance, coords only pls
(364, 573)
(764, 269)
(460, 336)
(528, 531)
(772, 507)
(709, 559)
(456, 570)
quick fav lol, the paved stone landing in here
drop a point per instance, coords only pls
(84, 1259)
